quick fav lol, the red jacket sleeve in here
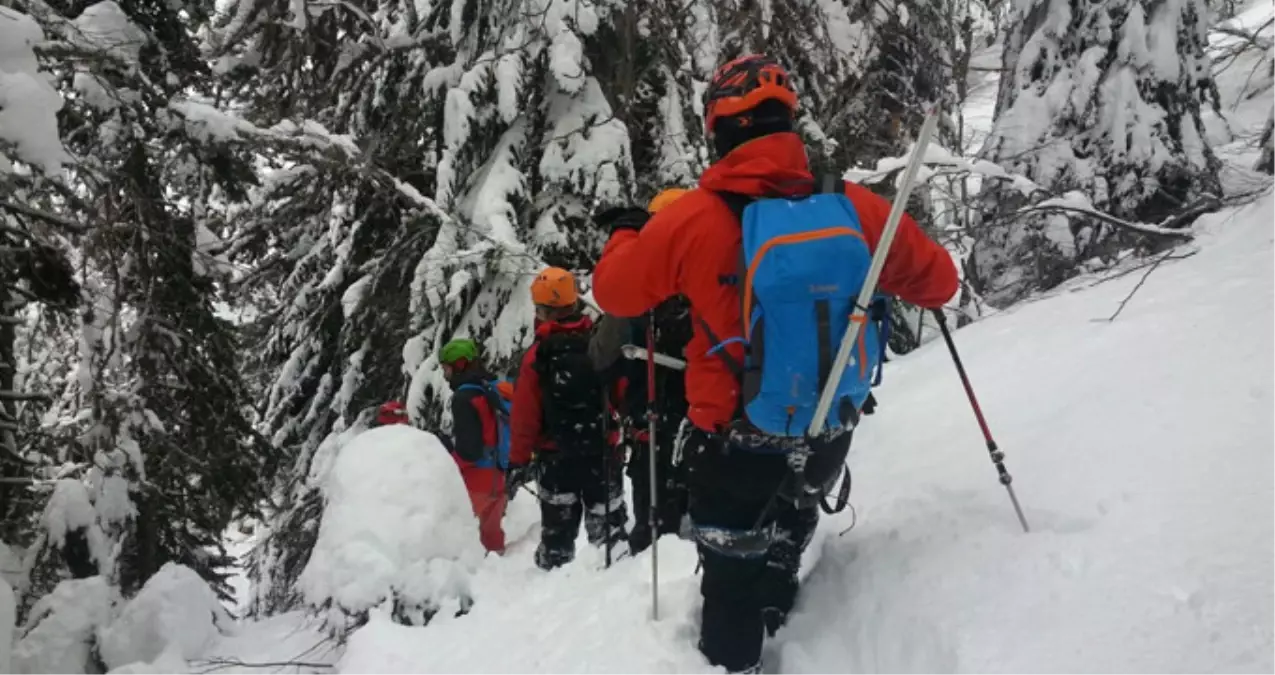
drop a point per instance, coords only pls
(524, 422)
(638, 270)
(917, 270)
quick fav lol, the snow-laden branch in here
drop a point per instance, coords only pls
(52, 219)
(10, 395)
(1072, 202)
(1075, 202)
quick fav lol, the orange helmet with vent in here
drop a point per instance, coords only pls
(555, 287)
(742, 84)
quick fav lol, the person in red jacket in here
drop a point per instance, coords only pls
(558, 421)
(476, 438)
(692, 248)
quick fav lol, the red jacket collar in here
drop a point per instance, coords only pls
(573, 324)
(770, 165)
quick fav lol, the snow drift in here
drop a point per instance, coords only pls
(397, 533)
(1141, 448)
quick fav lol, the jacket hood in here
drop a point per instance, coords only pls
(770, 165)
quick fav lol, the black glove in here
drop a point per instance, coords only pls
(622, 218)
(516, 476)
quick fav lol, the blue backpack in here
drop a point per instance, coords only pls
(803, 264)
(499, 455)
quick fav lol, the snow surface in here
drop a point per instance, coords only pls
(293, 637)
(397, 526)
(175, 612)
(1145, 471)
(12, 565)
(8, 613)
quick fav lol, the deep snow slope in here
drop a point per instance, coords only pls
(1141, 448)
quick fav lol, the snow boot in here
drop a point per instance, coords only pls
(551, 558)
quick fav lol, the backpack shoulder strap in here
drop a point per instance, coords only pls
(488, 391)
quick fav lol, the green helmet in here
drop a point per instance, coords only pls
(458, 349)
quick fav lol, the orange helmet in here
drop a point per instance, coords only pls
(742, 84)
(555, 287)
(506, 389)
(665, 198)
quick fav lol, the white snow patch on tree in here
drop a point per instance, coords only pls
(588, 144)
(398, 532)
(353, 296)
(175, 609)
(68, 509)
(488, 205)
(28, 101)
(91, 89)
(106, 28)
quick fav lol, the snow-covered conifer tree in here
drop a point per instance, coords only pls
(150, 417)
(1104, 99)
(465, 149)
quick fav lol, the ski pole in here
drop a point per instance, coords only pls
(998, 457)
(606, 472)
(859, 315)
(651, 416)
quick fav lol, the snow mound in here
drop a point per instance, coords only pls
(397, 530)
(63, 626)
(1145, 470)
(577, 619)
(175, 610)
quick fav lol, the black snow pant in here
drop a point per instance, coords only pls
(750, 537)
(671, 495)
(572, 487)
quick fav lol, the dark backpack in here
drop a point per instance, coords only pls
(572, 394)
(501, 405)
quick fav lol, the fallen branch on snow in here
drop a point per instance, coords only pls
(1141, 281)
(1139, 266)
(214, 665)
